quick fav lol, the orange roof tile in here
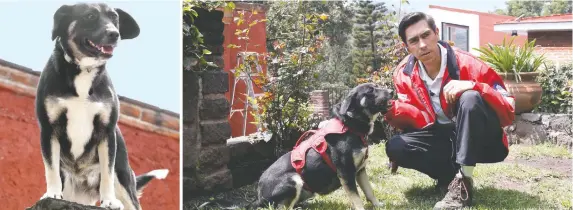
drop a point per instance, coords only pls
(543, 19)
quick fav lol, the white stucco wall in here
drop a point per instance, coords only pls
(458, 18)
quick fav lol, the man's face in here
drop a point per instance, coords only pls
(422, 41)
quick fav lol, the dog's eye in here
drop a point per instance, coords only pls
(112, 15)
(91, 16)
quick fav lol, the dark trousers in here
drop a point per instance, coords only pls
(438, 151)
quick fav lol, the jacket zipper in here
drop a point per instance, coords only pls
(420, 96)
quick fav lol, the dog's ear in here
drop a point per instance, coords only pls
(345, 105)
(128, 28)
(59, 23)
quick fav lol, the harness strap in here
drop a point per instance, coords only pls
(303, 136)
(301, 139)
(320, 147)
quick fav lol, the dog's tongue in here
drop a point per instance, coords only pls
(107, 49)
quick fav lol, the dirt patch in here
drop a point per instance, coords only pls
(557, 165)
(511, 185)
(240, 197)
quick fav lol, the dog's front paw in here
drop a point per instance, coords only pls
(111, 204)
(52, 194)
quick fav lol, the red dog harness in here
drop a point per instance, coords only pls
(317, 142)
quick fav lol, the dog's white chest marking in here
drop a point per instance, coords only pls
(80, 122)
(83, 82)
(371, 124)
(359, 158)
(80, 112)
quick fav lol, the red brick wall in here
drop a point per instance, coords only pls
(556, 45)
(551, 38)
(557, 55)
(151, 134)
(320, 103)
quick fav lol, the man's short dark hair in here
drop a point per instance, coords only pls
(411, 19)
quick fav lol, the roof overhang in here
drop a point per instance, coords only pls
(524, 27)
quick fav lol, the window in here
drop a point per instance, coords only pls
(458, 34)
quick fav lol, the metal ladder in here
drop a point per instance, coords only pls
(245, 77)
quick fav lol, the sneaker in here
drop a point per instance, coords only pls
(460, 193)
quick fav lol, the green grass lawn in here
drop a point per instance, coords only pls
(531, 177)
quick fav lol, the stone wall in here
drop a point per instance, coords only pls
(205, 115)
(529, 128)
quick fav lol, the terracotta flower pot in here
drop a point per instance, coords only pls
(527, 92)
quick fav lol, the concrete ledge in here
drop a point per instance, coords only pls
(55, 204)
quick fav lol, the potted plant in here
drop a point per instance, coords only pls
(518, 66)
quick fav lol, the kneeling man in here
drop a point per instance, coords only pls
(451, 108)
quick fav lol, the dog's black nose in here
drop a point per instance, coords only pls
(114, 35)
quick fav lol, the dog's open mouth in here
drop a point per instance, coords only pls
(104, 49)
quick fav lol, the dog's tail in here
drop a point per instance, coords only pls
(142, 180)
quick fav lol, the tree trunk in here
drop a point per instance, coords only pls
(374, 54)
(57, 204)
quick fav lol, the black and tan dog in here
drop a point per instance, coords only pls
(281, 185)
(84, 154)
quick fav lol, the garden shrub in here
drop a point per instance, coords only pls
(557, 85)
(283, 108)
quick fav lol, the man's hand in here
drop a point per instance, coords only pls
(455, 88)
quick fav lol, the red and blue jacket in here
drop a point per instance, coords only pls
(413, 109)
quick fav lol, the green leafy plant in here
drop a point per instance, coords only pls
(301, 37)
(193, 47)
(511, 58)
(283, 108)
(499, 57)
(557, 85)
